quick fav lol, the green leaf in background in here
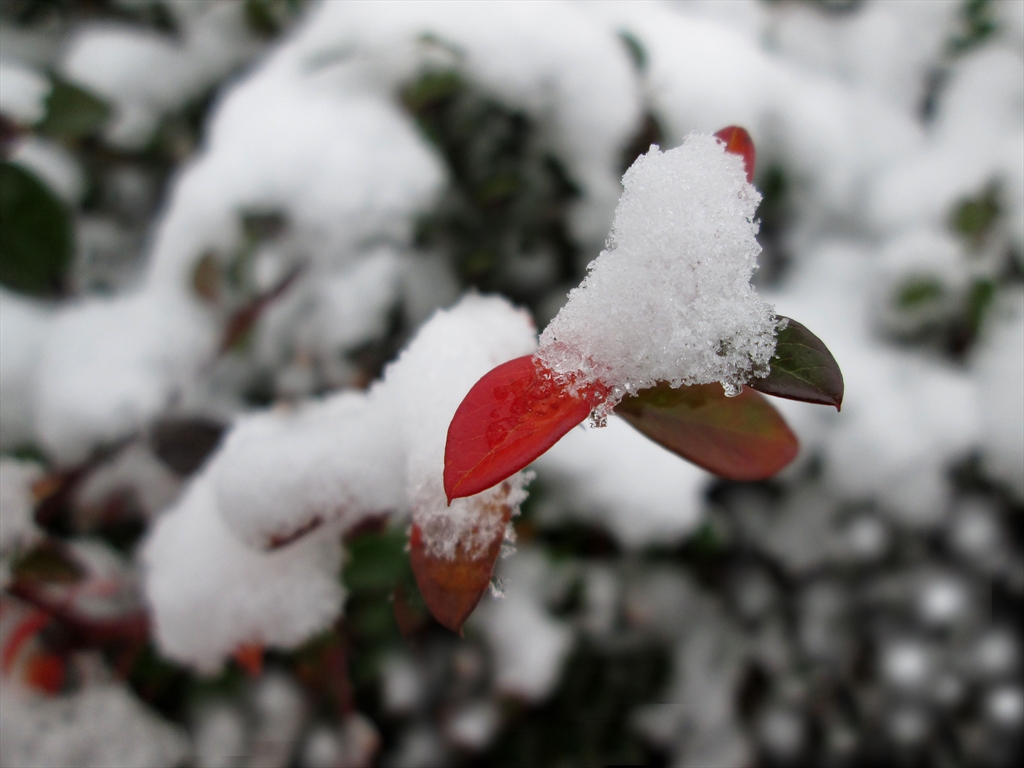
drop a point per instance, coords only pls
(72, 112)
(802, 369)
(36, 236)
(974, 217)
(738, 438)
(376, 561)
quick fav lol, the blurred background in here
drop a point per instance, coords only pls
(211, 208)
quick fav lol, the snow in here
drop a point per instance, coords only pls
(670, 298)
(906, 416)
(315, 131)
(473, 726)
(555, 61)
(529, 645)
(23, 326)
(1000, 367)
(146, 75)
(342, 163)
(23, 92)
(428, 382)
(291, 481)
(108, 366)
(615, 477)
(703, 75)
(57, 167)
(209, 593)
(977, 137)
(283, 472)
(99, 726)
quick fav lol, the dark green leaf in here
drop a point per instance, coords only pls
(738, 438)
(637, 52)
(72, 112)
(36, 239)
(802, 369)
(377, 561)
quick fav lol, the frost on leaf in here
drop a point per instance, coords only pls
(452, 587)
(738, 438)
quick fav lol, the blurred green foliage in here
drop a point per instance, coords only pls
(977, 24)
(72, 112)
(974, 217)
(36, 234)
(508, 195)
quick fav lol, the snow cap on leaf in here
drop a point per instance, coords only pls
(670, 298)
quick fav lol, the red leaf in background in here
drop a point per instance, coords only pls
(738, 438)
(509, 418)
(452, 588)
(249, 656)
(46, 672)
(22, 633)
(738, 141)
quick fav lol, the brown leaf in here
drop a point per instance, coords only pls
(452, 588)
(738, 438)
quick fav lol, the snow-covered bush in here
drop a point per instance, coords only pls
(257, 256)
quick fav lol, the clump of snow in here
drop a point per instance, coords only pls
(109, 365)
(219, 733)
(280, 714)
(906, 417)
(474, 725)
(146, 75)
(428, 381)
(1000, 368)
(975, 139)
(57, 167)
(403, 686)
(640, 492)
(340, 161)
(23, 92)
(577, 82)
(295, 480)
(23, 326)
(209, 592)
(284, 472)
(99, 726)
(670, 299)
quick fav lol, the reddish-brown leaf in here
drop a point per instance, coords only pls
(452, 588)
(509, 418)
(46, 672)
(738, 438)
(22, 633)
(249, 656)
(738, 141)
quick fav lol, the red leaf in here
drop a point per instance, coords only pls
(249, 656)
(22, 633)
(738, 438)
(46, 672)
(509, 418)
(738, 141)
(452, 588)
